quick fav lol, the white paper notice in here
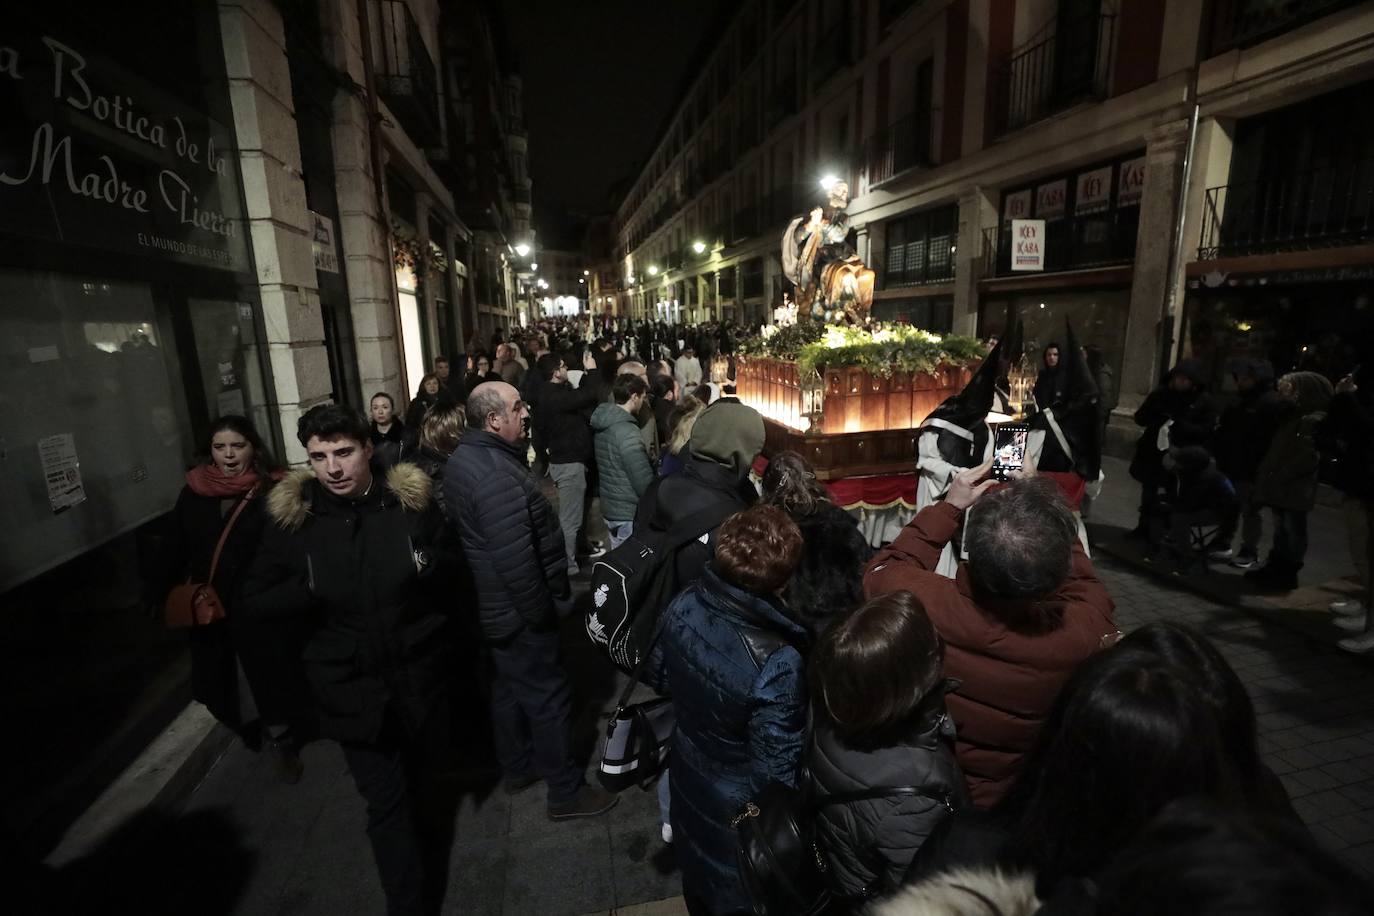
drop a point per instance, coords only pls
(62, 472)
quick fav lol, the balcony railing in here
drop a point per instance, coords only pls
(405, 72)
(907, 143)
(1072, 66)
(1321, 208)
(1103, 239)
(1243, 23)
(831, 52)
(782, 100)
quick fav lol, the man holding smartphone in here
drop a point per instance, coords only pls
(1016, 619)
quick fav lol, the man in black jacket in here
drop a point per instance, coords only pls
(366, 561)
(1247, 427)
(1183, 406)
(564, 419)
(515, 548)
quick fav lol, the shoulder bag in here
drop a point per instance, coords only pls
(198, 604)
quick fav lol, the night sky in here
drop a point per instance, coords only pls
(599, 80)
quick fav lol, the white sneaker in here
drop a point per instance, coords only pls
(1358, 644)
(1346, 607)
(668, 834)
(1351, 624)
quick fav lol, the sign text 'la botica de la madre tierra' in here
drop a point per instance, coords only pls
(109, 161)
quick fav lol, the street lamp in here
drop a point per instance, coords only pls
(653, 270)
(699, 247)
(522, 249)
(586, 273)
(828, 182)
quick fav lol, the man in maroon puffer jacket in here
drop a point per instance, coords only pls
(1022, 612)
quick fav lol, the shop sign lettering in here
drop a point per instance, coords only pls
(1131, 182)
(1094, 190)
(1017, 205)
(322, 243)
(1050, 198)
(1028, 244)
(157, 186)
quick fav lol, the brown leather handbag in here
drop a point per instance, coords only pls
(197, 604)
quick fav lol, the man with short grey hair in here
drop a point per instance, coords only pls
(514, 546)
(1016, 620)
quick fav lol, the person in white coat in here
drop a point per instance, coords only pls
(953, 437)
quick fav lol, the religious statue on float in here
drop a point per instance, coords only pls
(833, 284)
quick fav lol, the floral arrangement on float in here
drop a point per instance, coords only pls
(880, 350)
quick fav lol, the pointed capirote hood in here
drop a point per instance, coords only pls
(968, 408)
(1076, 413)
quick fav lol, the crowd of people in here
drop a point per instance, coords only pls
(966, 727)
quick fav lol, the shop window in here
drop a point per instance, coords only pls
(1098, 318)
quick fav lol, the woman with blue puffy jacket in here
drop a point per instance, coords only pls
(734, 669)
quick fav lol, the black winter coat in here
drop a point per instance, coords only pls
(564, 417)
(510, 535)
(1247, 427)
(870, 843)
(829, 578)
(372, 578)
(1194, 415)
(264, 649)
(670, 501)
(1346, 440)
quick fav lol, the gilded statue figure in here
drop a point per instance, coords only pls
(833, 284)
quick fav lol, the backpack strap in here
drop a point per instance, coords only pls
(878, 792)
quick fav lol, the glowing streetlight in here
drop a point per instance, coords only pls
(522, 249)
(828, 182)
(580, 280)
(653, 270)
(534, 267)
(699, 246)
(586, 273)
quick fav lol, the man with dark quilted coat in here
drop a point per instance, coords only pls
(513, 541)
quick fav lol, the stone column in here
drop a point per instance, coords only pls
(1165, 148)
(278, 220)
(364, 233)
(455, 293)
(977, 214)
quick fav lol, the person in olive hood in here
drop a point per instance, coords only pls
(365, 562)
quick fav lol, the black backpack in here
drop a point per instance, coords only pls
(632, 584)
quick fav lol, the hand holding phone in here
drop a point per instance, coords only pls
(968, 485)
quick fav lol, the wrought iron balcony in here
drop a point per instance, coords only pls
(1103, 239)
(405, 72)
(919, 261)
(906, 144)
(1242, 23)
(1317, 209)
(1072, 66)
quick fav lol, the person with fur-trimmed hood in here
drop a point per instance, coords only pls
(364, 559)
(955, 436)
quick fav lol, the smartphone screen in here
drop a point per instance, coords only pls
(1009, 449)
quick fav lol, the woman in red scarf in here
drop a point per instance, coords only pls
(245, 672)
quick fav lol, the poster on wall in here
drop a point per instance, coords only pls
(1028, 244)
(1094, 190)
(1131, 182)
(322, 243)
(61, 472)
(1017, 205)
(1050, 199)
